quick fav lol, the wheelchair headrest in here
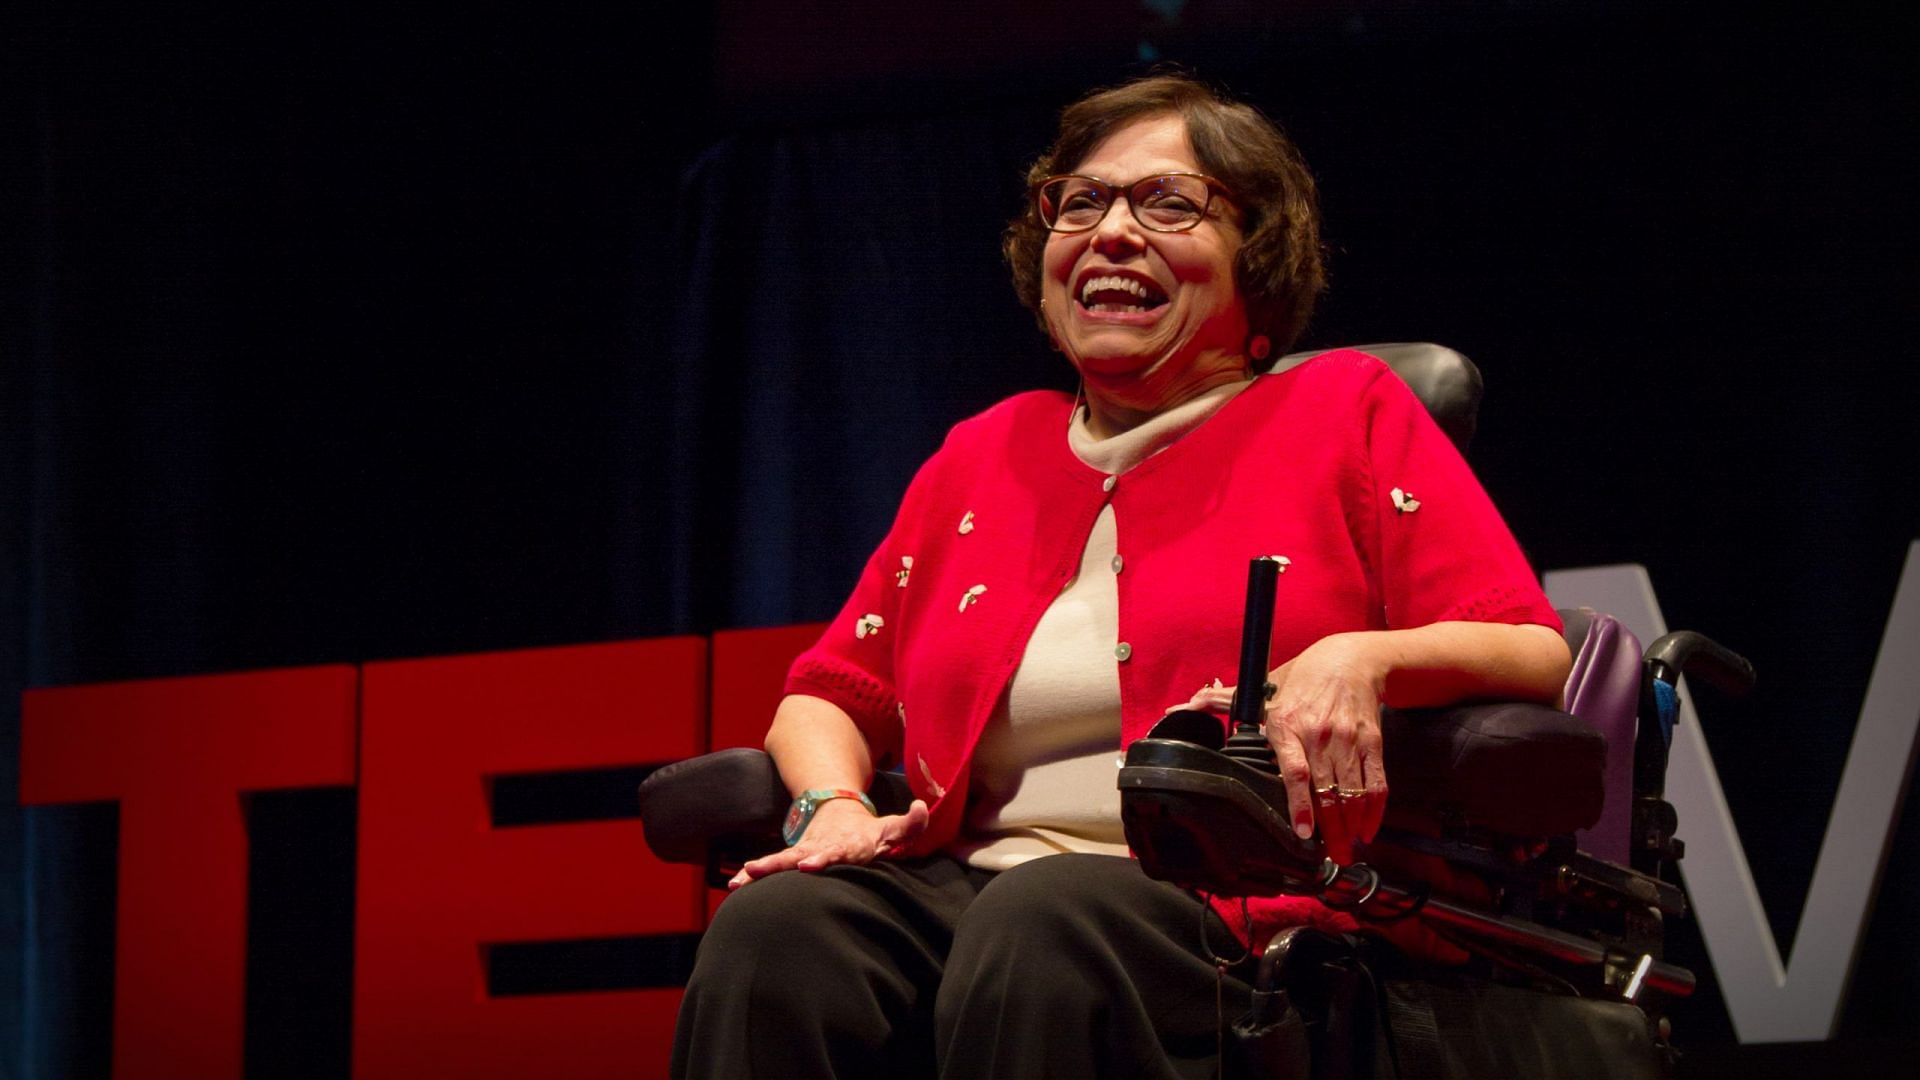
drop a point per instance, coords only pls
(1445, 381)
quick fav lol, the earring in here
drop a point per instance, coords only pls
(1260, 347)
(1051, 340)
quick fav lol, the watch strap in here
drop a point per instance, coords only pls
(800, 814)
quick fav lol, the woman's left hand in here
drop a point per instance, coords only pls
(1323, 722)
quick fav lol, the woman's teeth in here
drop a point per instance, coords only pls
(1116, 294)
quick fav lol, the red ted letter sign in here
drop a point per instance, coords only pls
(438, 883)
(178, 755)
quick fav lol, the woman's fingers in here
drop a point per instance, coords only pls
(1298, 738)
(1215, 698)
(767, 864)
(1361, 781)
(1340, 762)
(1335, 725)
(856, 840)
(1336, 817)
(1374, 779)
(1296, 772)
(900, 830)
(822, 858)
(1323, 724)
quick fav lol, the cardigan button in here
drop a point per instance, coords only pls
(1107, 484)
(1118, 564)
(1122, 651)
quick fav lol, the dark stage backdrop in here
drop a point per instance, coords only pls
(332, 338)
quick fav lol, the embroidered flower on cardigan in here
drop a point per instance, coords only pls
(933, 786)
(868, 624)
(1404, 501)
(966, 523)
(971, 596)
(906, 568)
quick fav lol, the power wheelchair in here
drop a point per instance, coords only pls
(1559, 814)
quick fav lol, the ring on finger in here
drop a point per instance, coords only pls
(1349, 792)
(1331, 793)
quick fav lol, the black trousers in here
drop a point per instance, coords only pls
(1069, 966)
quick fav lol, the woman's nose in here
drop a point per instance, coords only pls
(1118, 232)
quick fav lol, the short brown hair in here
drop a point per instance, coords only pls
(1278, 270)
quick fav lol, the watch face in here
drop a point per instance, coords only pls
(795, 815)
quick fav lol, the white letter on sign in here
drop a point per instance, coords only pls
(1769, 1001)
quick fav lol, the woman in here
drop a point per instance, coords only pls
(1060, 574)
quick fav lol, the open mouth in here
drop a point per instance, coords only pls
(1114, 294)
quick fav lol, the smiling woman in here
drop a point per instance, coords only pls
(1242, 157)
(1149, 315)
(1070, 564)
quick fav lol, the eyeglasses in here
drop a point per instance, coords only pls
(1172, 202)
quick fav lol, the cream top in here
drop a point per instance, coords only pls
(1043, 779)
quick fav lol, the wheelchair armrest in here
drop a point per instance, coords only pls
(726, 807)
(1518, 769)
(1525, 770)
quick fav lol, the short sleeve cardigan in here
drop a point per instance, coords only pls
(1333, 464)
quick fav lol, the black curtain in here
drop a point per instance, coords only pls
(846, 302)
(336, 340)
(328, 336)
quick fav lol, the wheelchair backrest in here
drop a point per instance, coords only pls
(1604, 690)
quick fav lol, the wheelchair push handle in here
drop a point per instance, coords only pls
(1686, 652)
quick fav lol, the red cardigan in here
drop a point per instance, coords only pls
(1303, 464)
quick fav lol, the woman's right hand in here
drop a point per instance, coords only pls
(841, 832)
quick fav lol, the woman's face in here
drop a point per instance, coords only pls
(1178, 316)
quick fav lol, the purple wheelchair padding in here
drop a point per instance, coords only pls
(1604, 690)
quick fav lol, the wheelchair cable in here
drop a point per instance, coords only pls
(1220, 966)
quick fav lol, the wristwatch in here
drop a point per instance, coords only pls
(803, 808)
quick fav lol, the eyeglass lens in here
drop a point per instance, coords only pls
(1161, 203)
